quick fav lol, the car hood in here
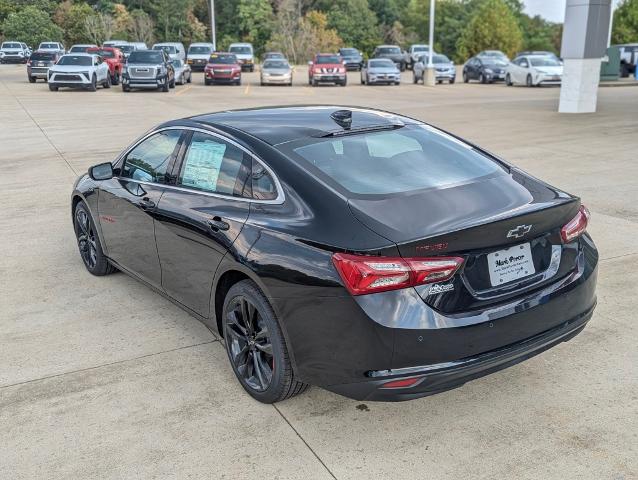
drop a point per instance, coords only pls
(11, 50)
(390, 55)
(244, 56)
(223, 65)
(551, 70)
(277, 70)
(198, 56)
(383, 70)
(327, 65)
(72, 68)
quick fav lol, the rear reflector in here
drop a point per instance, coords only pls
(363, 274)
(576, 226)
(403, 383)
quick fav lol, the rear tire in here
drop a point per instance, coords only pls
(107, 83)
(465, 78)
(126, 88)
(415, 79)
(115, 79)
(206, 81)
(528, 81)
(89, 242)
(256, 347)
(482, 78)
(452, 80)
(53, 88)
(31, 79)
(165, 87)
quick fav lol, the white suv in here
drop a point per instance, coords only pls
(14, 52)
(245, 55)
(79, 70)
(52, 47)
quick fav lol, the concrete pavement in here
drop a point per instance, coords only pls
(102, 378)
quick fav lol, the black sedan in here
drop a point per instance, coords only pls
(358, 250)
(485, 69)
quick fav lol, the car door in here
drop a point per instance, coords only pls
(201, 217)
(127, 204)
(102, 69)
(522, 70)
(471, 69)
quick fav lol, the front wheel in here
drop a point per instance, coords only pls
(528, 81)
(107, 82)
(465, 78)
(53, 88)
(31, 79)
(256, 347)
(115, 79)
(482, 78)
(171, 84)
(89, 243)
(93, 85)
(452, 80)
(508, 80)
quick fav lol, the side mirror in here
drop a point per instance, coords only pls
(102, 171)
(310, 63)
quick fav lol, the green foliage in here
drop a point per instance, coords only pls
(255, 20)
(71, 17)
(31, 26)
(625, 28)
(355, 23)
(462, 27)
(493, 27)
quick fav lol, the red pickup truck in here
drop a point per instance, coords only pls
(327, 68)
(114, 58)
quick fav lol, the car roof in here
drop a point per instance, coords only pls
(239, 44)
(385, 46)
(281, 124)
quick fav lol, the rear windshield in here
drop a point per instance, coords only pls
(420, 49)
(80, 60)
(126, 48)
(241, 49)
(145, 56)
(200, 50)
(389, 162)
(439, 59)
(348, 51)
(43, 57)
(328, 59)
(225, 59)
(79, 49)
(11, 45)
(49, 45)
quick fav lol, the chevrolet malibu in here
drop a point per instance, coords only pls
(361, 251)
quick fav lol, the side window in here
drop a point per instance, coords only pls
(263, 185)
(213, 165)
(149, 161)
(524, 63)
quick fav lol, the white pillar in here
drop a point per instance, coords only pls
(429, 77)
(585, 34)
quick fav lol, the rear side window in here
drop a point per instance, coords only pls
(215, 166)
(42, 56)
(389, 162)
(149, 161)
(263, 186)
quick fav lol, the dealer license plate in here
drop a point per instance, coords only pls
(510, 264)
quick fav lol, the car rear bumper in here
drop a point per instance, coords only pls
(445, 376)
(352, 345)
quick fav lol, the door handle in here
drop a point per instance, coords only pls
(217, 224)
(146, 203)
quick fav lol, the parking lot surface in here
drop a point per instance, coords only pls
(103, 378)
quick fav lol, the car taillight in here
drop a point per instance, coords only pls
(367, 274)
(576, 226)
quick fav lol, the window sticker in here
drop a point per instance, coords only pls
(203, 162)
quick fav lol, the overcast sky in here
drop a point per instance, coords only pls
(552, 10)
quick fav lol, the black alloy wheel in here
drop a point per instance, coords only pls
(89, 243)
(528, 81)
(255, 345)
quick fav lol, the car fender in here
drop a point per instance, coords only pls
(87, 191)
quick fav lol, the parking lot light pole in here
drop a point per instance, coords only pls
(429, 78)
(212, 23)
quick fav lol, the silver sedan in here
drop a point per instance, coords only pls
(276, 71)
(183, 73)
(380, 70)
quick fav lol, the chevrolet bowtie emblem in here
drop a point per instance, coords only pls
(519, 231)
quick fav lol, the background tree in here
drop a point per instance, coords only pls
(141, 27)
(355, 23)
(625, 27)
(493, 26)
(71, 17)
(255, 20)
(99, 28)
(31, 26)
